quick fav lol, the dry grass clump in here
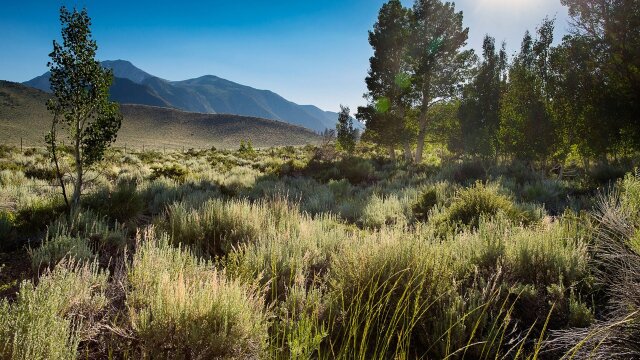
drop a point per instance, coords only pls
(617, 263)
(180, 306)
(217, 226)
(49, 320)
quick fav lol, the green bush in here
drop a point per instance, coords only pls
(174, 172)
(427, 201)
(482, 201)
(182, 307)
(356, 170)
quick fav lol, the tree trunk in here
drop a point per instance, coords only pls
(392, 153)
(77, 191)
(408, 154)
(422, 133)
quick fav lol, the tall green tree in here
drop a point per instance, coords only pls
(346, 133)
(609, 31)
(526, 127)
(438, 62)
(82, 112)
(479, 112)
(388, 82)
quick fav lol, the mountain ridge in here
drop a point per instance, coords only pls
(205, 94)
(24, 116)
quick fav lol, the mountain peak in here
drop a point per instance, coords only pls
(126, 70)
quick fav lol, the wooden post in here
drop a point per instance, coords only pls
(21, 144)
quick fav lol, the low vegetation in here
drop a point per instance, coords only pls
(240, 257)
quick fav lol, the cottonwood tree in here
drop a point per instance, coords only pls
(82, 112)
(438, 61)
(388, 81)
(346, 134)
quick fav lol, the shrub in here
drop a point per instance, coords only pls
(49, 320)
(427, 201)
(605, 173)
(7, 230)
(464, 172)
(380, 211)
(432, 196)
(356, 170)
(174, 172)
(216, 226)
(123, 203)
(37, 215)
(47, 173)
(60, 247)
(482, 201)
(182, 307)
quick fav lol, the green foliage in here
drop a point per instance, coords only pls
(345, 132)
(472, 204)
(246, 149)
(174, 172)
(479, 111)
(356, 170)
(80, 100)
(56, 248)
(606, 174)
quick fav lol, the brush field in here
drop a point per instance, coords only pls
(301, 253)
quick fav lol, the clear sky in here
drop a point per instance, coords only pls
(309, 51)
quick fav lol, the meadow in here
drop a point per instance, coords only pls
(305, 253)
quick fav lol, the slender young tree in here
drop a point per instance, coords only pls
(345, 132)
(438, 63)
(82, 112)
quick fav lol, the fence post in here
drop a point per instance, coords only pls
(21, 144)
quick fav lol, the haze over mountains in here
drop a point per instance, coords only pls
(206, 94)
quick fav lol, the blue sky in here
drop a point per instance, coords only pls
(309, 51)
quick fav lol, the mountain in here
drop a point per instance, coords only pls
(126, 70)
(206, 94)
(23, 115)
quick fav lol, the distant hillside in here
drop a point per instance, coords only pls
(23, 114)
(207, 94)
